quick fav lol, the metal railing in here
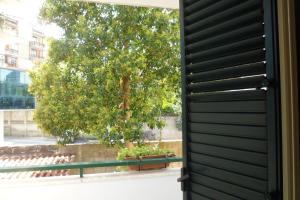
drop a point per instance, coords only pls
(36, 44)
(83, 165)
(12, 52)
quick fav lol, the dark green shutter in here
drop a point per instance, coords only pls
(230, 100)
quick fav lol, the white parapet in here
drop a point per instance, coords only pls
(1, 127)
(173, 4)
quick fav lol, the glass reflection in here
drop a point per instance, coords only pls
(14, 90)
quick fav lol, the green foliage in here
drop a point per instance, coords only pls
(139, 151)
(80, 88)
(67, 137)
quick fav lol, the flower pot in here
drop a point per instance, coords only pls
(149, 166)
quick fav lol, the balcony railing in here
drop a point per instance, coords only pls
(36, 44)
(13, 52)
(34, 57)
(83, 165)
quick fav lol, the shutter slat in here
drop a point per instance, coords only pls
(228, 84)
(195, 196)
(249, 119)
(232, 154)
(252, 132)
(212, 9)
(232, 48)
(230, 72)
(232, 107)
(224, 15)
(227, 188)
(246, 19)
(197, 5)
(253, 30)
(211, 193)
(245, 144)
(244, 181)
(231, 166)
(228, 96)
(253, 56)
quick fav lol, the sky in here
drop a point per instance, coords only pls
(28, 10)
(32, 8)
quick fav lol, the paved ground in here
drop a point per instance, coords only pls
(159, 185)
(21, 141)
(15, 141)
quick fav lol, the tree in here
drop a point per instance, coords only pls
(111, 72)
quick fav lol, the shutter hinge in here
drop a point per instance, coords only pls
(184, 178)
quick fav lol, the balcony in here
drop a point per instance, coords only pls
(150, 185)
(137, 185)
(36, 58)
(36, 44)
(10, 26)
(11, 60)
(11, 52)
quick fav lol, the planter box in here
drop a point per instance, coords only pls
(149, 166)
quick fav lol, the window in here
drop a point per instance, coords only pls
(36, 45)
(11, 55)
(36, 54)
(11, 26)
(14, 90)
(38, 39)
(12, 49)
(11, 61)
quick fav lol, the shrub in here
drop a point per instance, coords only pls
(138, 152)
(67, 137)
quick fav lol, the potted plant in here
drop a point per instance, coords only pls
(145, 152)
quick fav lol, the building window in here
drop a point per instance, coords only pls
(36, 54)
(11, 61)
(11, 54)
(12, 49)
(11, 26)
(38, 39)
(36, 46)
(14, 90)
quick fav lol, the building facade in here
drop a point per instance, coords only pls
(21, 47)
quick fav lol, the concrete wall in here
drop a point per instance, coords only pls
(171, 131)
(85, 152)
(20, 123)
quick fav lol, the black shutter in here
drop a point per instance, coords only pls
(230, 100)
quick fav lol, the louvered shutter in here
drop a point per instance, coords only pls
(230, 100)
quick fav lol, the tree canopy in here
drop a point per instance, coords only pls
(111, 72)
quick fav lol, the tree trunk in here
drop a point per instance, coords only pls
(125, 85)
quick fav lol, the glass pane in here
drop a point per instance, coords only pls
(14, 90)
